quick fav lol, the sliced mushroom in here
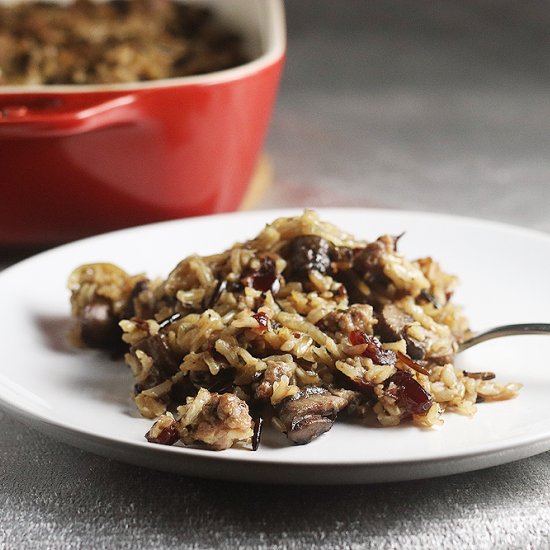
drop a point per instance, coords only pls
(369, 262)
(165, 363)
(140, 302)
(309, 413)
(308, 253)
(99, 326)
(392, 323)
(415, 348)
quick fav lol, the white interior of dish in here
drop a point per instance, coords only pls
(260, 22)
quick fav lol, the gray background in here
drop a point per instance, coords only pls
(440, 106)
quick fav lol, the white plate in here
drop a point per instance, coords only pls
(83, 398)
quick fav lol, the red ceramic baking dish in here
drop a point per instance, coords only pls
(78, 160)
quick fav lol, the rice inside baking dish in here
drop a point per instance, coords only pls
(300, 324)
(89, 42)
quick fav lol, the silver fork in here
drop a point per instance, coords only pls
(505, 330)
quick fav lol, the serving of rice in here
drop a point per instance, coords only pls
(298, 325)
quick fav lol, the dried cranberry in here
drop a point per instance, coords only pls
(263, 321)
(410, 395)
(166, 436)
(356, 337)
(374, 350)
(264, 278)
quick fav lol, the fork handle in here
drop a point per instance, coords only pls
(505, 330)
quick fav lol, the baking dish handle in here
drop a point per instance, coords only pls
(35, 116)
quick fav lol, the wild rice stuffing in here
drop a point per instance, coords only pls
(89, 42)
(295, 326)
